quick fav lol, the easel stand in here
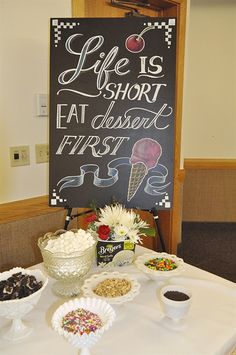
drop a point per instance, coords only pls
(69, 216)
(153, 211)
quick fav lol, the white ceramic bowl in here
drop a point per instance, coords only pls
(174, 309)
(17, 308)
(91, 283)
(97, 306)
(158, 274)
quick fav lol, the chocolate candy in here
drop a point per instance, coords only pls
(18, 286)
(176, 296)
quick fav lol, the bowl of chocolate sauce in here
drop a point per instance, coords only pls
(175, 301)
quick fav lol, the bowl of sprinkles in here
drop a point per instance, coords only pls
(83, 321)
(114, 287)
(159, 265)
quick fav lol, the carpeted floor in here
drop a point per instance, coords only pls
(210, 246)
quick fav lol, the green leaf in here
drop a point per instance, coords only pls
(151, 232)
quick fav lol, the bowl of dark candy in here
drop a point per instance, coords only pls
(20, 291)
(175, 301)
(159, 266)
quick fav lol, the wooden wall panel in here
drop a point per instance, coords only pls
(209, 195)
(18, 238)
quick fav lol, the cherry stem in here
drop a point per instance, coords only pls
(145, 30)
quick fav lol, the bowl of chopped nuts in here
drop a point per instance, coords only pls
(20, 290)
(159, 266)
(113, 287)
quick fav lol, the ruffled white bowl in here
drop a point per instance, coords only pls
(91, 283)
(158, 274)
(17, 308)
(85, 341)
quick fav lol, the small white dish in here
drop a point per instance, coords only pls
(16, 309)
(158, 274)
(174, 308)
(105, 312)
(91, 283)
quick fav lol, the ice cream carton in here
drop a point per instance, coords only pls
(115, 253)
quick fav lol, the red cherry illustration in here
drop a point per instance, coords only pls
(135, 43)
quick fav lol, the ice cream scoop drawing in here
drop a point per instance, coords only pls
(145, 155)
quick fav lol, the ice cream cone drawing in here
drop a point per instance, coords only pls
(145, 155)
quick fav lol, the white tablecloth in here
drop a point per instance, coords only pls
(141, 327)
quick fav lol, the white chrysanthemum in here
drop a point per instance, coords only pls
(110, 216)
(134, 236)
(120, 232)
(117, 215)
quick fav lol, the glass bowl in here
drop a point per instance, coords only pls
(16, 309)
(91, 283)
(67, 269)
(159, 274)
(101, 308)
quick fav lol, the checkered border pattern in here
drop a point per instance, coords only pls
(56, 198)
(58, 26)
(167, 26)
(165, 202)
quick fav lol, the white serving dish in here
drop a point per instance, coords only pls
(158, 274)
(95, 279)
(84, 341)
(173, 309)
(17, 308)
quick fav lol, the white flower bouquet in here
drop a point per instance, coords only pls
(116, 230)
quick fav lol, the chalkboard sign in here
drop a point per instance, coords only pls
(112, 96)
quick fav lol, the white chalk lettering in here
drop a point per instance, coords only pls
(134, 118)
(139, 92)
(98, 147)
(70, 113)
(102, 67)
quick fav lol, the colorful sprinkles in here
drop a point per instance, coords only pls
(161, 264)
(81, 321)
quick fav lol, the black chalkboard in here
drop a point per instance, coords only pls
(112, 95)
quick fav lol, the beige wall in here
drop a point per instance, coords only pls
(209, 116)
(24, 28)
(209, 111)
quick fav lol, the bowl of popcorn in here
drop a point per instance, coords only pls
(159, 266)
(114, 287)
(20, 291)
(83, 321)
(67, 257)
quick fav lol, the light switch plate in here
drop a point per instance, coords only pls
(20, 155)
(42, 105)
(42, 153)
